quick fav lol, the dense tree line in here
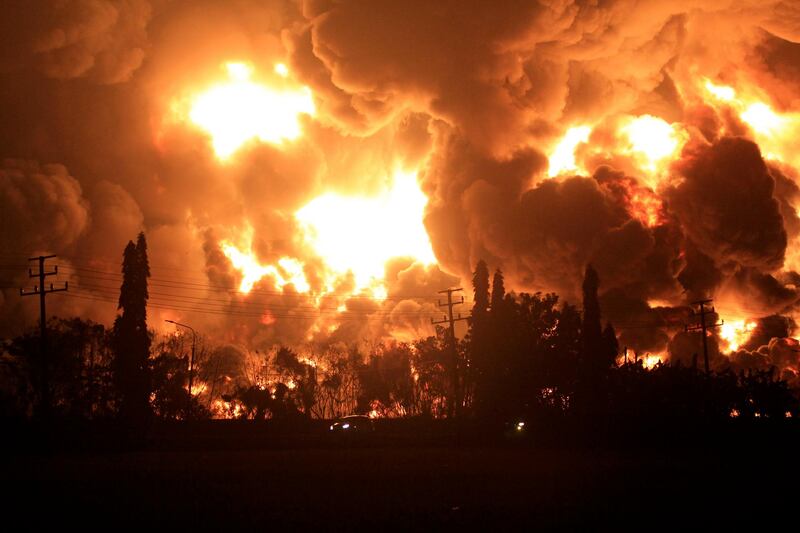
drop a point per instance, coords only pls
(523, 354)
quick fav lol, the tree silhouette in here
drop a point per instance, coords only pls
(131, 340)
(591, 332)
(480, 285)
(78, 365)
(480, 341)
(498, 291)
(610, 346)
(303, 377)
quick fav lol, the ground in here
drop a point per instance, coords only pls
(441, 487)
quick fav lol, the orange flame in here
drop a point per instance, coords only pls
(736, 333)
(562, 158)
(287, 271)
(774, 132)
(360, 234)
(653, 141)
(239, 110)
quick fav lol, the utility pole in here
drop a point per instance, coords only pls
(42, 292)
(191, 362)
(702, 326)
(449, 319)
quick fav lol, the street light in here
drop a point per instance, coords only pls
(191, 360)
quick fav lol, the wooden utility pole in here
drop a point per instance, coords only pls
(702, 326)
(40, 289)
(455, 405)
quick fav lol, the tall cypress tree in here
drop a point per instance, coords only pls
(591, 330)
(479, 335)
(498, 291)
(131, 340)
(480, 285)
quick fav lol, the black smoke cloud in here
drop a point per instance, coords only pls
(726, 205)
(470, 94)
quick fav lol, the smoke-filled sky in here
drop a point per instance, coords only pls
(317, 171)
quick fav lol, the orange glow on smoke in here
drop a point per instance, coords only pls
(240, 110)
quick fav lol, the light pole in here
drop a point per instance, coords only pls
(191, 359)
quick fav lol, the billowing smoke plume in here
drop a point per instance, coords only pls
(680, 182)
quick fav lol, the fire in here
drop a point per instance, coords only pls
(762, 118)
(736, 332)
(650, 360)
(351, 234)
(240, 110)
(562, 159)
(287, 271)
(774, 132)
(359, 234)
(647, 208)
(723, 92)
(652, 140)
(643, 204)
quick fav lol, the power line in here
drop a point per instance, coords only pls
(113, 276)
(455, 406)
(42, 291)
(188, 299)
(703, 327)
(244, 313)
(174, 283)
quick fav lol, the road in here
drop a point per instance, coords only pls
(399, 488)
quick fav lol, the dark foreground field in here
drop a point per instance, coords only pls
(337, 486)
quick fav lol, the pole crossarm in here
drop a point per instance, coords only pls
(451, 320)
(703, 326)
(42, 291)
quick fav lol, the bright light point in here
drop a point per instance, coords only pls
(722, 92)
(239, 71)
(240, 110)
(562, 159)
(281, 70)
(345, 426)
(762, 118)
(359, 234)
(653, 138)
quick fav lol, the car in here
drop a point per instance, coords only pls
(353, 424)
(516, 428)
